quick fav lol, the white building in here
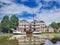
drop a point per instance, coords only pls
(50, 29)
(39, 26)
(23, 25)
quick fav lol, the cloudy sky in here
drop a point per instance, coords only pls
(45, 10)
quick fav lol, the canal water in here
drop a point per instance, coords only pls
(34, 40)
(48, 42)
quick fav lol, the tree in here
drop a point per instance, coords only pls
(5, 24)
(58, 25)
(0, 27)
(54, 25)
(14, 21)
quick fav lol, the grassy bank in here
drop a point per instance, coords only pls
(51, 34)
(44, 34)
(6, 35)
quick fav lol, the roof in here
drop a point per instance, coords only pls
(42, 21)
(38, 21)
(49, 27)
(23, 21)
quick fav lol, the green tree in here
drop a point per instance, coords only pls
(54, 25)
(0, 27)
(5, 24)
(14, 21)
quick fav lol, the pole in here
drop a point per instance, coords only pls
(33, 20)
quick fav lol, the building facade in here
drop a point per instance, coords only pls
(50, 29)
(23, 25)
(38, 26)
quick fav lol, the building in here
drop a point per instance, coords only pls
(58, 27)
(38, 26)
(50, 29)
(23, 25)
(58, 30)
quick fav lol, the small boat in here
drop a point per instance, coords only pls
(36, 32)
(28, 32)
(18, 32)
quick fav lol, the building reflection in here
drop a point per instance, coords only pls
(31, 39)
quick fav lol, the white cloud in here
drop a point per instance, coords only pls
(6, 1)
(52, 0)
(47, 15)
(17, 9)
(14, 9)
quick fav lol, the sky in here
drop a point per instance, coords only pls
(43, 10)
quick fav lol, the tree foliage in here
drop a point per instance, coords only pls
(5, 23)
(14, 21)
(8, 23)
(0, 26)
(54, 25)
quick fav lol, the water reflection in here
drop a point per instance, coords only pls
(48, 42)
(58, 43)
(34, 40)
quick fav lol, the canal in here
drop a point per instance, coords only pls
(34, 40)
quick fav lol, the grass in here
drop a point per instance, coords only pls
(45, 34)
(52, 34)
(4, 40)
(6, 35)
